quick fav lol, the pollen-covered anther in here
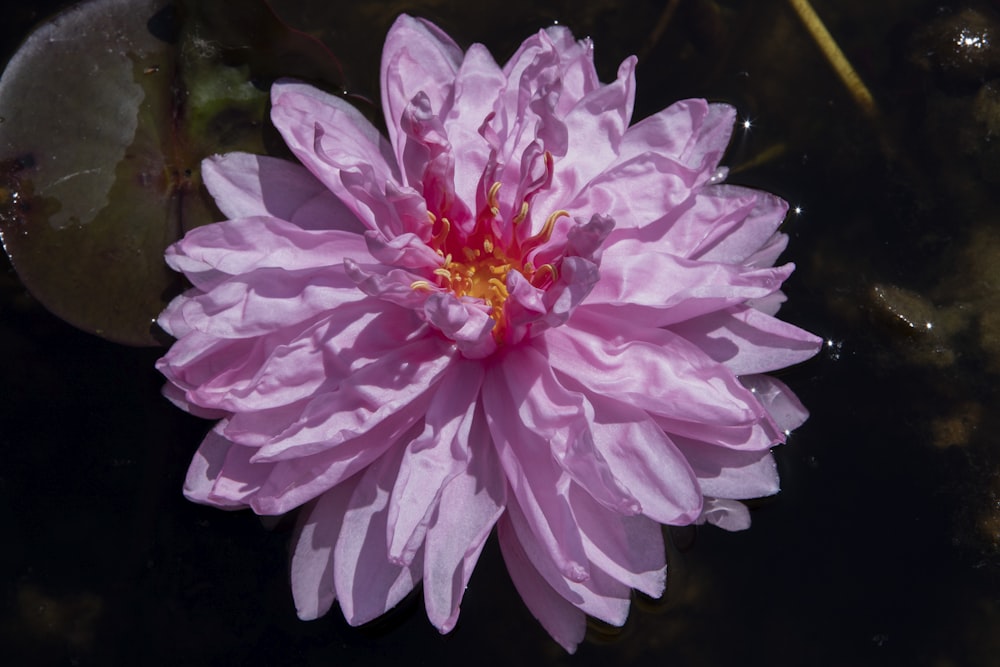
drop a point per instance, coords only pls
(540, 274)
(491, 198)
(545, 233)
(442, 233)
(519, 218)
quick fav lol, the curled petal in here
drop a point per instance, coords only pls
(692, 132)
(406, 251)
(726, 514)
(465, 321)
(222, 475)
(779, 401)
(594, 128)
(418, 57)
(392, 285)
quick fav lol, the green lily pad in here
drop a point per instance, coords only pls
(88, 196)
(106, 112)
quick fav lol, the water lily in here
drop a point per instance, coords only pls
(516, 311)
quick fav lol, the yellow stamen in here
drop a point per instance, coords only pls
(488, 246)
(491, 196)
(519, 218)
(540, 273)
(499, 287)
(443, 233)
(546, 231)
(421, 285)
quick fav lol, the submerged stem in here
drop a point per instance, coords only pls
(841, 65)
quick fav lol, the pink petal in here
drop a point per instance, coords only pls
(294, 482)
(367, 583)
(646, 461)
(692, 132)
(362, 400)
(595, 128)
(727, 473)
(779, 401)
(755, 436)
(390, 285)
(660, 289)
(755, 232)
(316, 533)
(339, 146)
(541, 413)
(561, 619)
(681, 223)
(470, 505)
(635, 194)
(726, 514)
(578, 76)
(629, 548)
(431, 460)
(601, 596)
(260, 303)
(221, 474)
(464, 321)
(652, 369)
(405, 251)
(418, 57)
(175, 395)
(748, 341)
(247, 186)
(241, 246)
(534, 477)
(250, 374)
(476, 84)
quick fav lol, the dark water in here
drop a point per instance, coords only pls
(882, 548)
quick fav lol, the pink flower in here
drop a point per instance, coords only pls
(518, 311)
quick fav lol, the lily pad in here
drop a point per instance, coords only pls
(105, 114)
(88, 198)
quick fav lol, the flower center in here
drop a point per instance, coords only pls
(477, 266)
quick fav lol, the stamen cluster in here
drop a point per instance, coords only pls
(477, 265)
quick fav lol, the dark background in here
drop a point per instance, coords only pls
(881, 549)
